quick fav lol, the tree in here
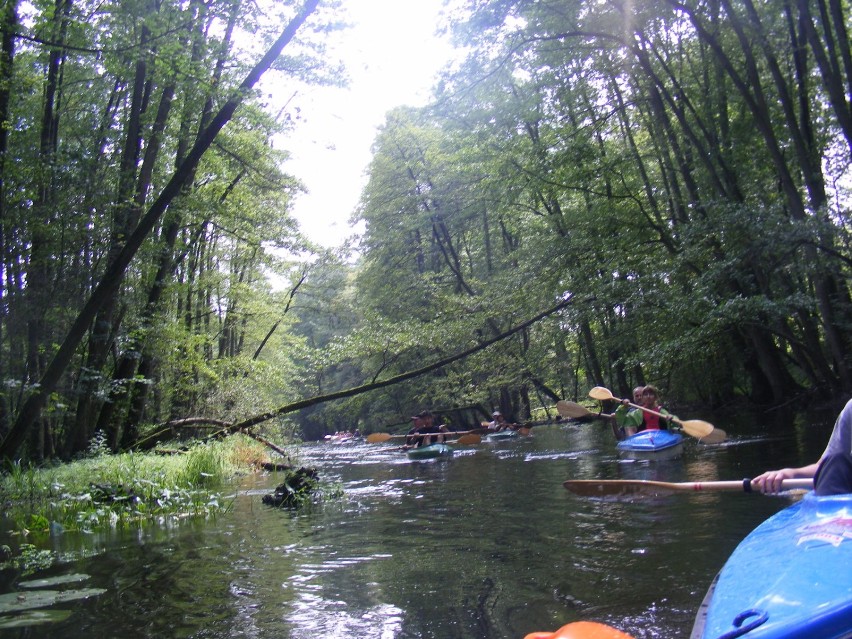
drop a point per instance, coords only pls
(115, 272)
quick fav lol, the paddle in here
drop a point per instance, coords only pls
(608, 487)
(576, 411)
(487, 430)
(704, 431)
(378, 438)
(464, 440)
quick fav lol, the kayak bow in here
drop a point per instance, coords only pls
(788, 579)
(432, 451)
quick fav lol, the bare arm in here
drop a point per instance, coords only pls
(770, 481)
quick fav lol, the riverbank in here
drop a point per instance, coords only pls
(103, 491)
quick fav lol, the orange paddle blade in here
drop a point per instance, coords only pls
(581, 630)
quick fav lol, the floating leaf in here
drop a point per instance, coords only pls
(34, 618)
(54, 581)
(18, 601)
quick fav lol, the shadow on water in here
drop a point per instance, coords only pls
(487, 544)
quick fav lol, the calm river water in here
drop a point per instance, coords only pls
(485, 545)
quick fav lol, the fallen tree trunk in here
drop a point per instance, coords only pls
(229, 428)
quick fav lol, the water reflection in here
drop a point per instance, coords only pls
(486, 544)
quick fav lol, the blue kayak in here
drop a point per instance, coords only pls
(431, 451)
(651, 444)
(791, 578)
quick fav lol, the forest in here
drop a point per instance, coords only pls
(598, 193)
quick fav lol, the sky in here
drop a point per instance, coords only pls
(392, 55)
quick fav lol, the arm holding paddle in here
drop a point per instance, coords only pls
(629, 421)
(772, 481)
(646, 487)
(832, 474)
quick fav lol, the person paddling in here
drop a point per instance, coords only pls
(617, 419)
(635, 421)
(832, 473)
(500, 423)
(424, 431)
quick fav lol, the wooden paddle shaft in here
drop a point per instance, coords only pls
(603, 487)
(600, 393)
(647, 410)
(378, 438)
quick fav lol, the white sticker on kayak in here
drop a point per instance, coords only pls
(833, 531)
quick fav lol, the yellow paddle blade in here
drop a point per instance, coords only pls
(378, 438)
(600, 393)
(696, 427)
(571, 409)
(716, 437)
(468, 439)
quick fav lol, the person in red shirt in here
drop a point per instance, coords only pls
(639, 420)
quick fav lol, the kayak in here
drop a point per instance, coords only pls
(790, 578)
(432, 451)
(658, 445)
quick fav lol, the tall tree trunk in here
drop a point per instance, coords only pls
(40, 276)
(125, 217)
(129, 359)
(31, 410)
(8, 27)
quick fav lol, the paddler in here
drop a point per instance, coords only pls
(832, 473)
(638, 420)
(424, 431)
(617, 419)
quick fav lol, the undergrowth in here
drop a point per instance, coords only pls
(104, 490)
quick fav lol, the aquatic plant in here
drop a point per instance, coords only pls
(104, 490)
(301, 487)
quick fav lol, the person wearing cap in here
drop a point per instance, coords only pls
(424, 431)
(498, 422)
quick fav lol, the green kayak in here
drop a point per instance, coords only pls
(430, 452)
(501, 435)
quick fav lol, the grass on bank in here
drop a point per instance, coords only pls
(104, 490)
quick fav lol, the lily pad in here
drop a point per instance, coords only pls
(18, 601)
(34, 618)
(54, 581)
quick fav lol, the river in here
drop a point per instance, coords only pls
(487, 544)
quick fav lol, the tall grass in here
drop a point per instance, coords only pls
(106, 490)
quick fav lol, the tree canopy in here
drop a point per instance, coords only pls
(679, 170)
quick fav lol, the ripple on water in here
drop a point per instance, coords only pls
(314, 616)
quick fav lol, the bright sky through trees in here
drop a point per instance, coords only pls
(392, 55)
